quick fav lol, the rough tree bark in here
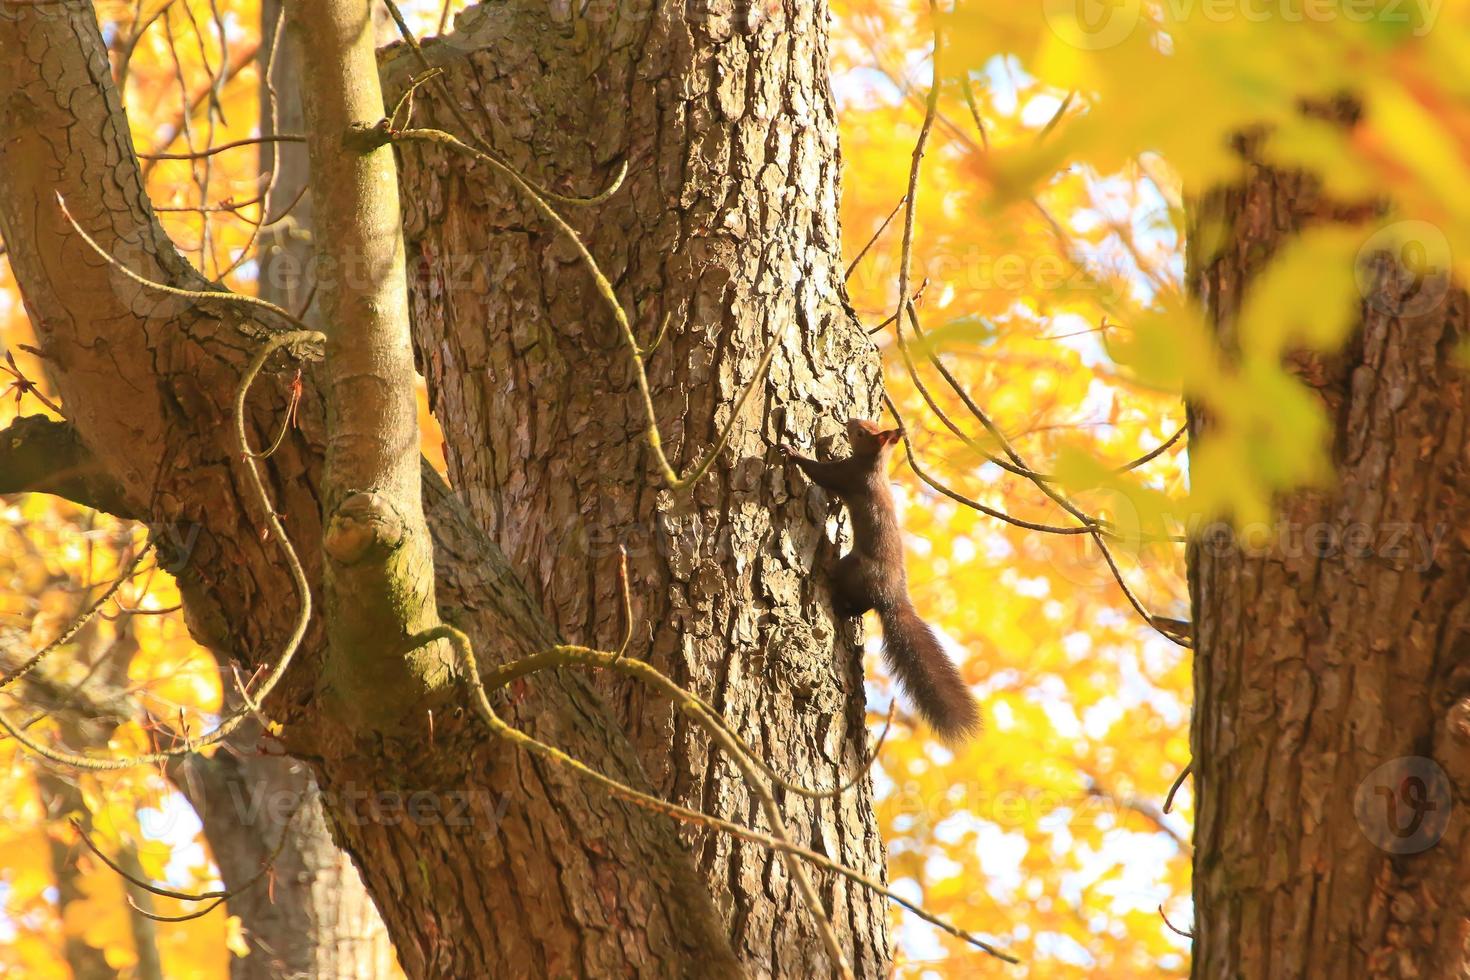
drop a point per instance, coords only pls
(1341, 648)
(538, 872)
(727, 225)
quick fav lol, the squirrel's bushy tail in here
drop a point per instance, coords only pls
(927, 674)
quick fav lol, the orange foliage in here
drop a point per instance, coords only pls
(1048, 247)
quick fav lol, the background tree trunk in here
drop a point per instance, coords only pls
(62, 796)
(1331, 732)
(316, 919)
(727, 224)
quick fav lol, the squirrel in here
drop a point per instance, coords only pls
(872, 576)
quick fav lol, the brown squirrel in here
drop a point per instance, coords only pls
(872, 576)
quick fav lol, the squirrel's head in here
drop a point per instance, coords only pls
(870, 438)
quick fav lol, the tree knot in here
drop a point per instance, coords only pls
(365, 524)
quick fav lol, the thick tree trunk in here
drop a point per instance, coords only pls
(726, 224)
(483, 860)
(1332, 674)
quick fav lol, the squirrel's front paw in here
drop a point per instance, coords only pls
(786, 451)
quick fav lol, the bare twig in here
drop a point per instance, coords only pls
(876, 235)
(23, 386)
(288, 419)
(1056, 117)
(627, 601)
(1178, 782)
(658, 338)
(76, 625)
(931, 105)
(215, 898)
(973, 504)
(272, 113)
(671, 477)
(563, 656)
(207, 295)
(975, 111)
(1172, 927)
(1154, 453)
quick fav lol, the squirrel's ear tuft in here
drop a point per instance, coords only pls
(889, 437)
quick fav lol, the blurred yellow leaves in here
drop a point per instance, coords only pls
(1049, 241)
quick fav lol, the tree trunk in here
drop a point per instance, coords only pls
(727, 225)
(92, 720)
(316, 919)
(484, 860)
(1331, 733)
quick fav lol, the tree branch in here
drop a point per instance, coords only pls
(41, 455)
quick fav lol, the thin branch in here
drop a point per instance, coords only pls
(974, 111)
(675, 481)
(137, 30)
(663, 328)
(563, 656)
(1133, 601)
(1056, 117)
(207, 295)
(288, 418)
(1154, 453)
(918, 294)
(1178, 782)
(1144, 808)
(1172, 927)
(23, 386)
(931, 105)
(293, 339)
(273, 115)
(923, 390)
(627, 601)
(76, 625)
(123, 610)
(876, 235)
(215, 898)
(973, 504)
